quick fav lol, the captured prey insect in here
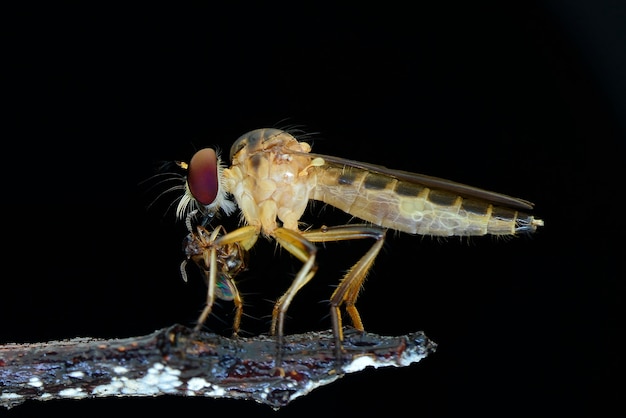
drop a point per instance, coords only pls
(273, 176)
(219, 264)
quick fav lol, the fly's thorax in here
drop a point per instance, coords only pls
(265, 140)
(269, 181)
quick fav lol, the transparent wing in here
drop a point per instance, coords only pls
(437, 183)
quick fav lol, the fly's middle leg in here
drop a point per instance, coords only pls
(305, 251)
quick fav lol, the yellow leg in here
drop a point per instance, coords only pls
(246, 236)
(211, 278)
(305, 251)
(238, 301)
(350, 286)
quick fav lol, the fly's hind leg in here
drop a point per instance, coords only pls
(300, 244)
(348, 290)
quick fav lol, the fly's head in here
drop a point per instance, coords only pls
(204, 186)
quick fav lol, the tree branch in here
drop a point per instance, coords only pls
(179, 361)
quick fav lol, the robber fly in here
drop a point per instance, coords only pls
(219, 263)
(272, 177)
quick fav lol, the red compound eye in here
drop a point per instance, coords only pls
(202, 176)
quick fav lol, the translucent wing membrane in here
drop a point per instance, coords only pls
(462, 190)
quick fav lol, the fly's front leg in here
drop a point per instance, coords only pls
(238, 301)
(210, 260)
(349, 287)
(211, 295)
(246, 236)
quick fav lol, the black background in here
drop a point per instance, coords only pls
(525, 100)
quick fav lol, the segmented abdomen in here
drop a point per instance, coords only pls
(414, 208)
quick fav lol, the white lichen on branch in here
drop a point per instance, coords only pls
(180, 361)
